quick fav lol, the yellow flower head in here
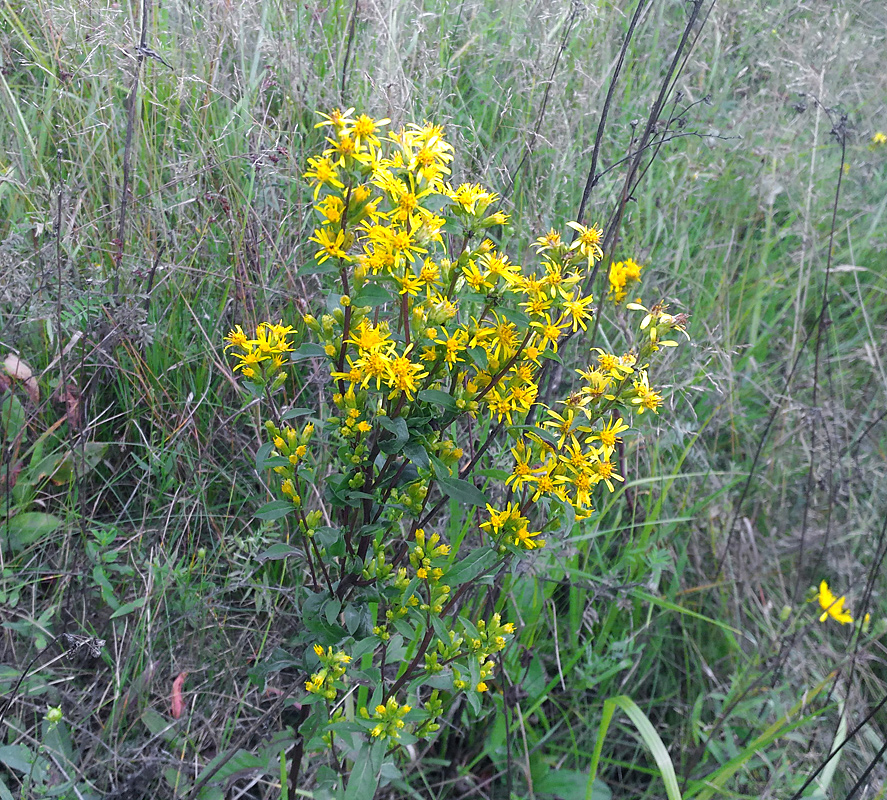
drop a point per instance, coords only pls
(832, 606)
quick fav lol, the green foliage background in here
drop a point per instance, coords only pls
(148, 538)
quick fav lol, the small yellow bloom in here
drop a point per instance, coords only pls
(832, 606)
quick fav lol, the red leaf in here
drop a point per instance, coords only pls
(176, 702)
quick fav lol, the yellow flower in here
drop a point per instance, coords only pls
(832, 606)
(588, 242)
(551, 241)
(402, 375)
(329, 247)
(524, 538)
(237, 338)
(608, 436)
(323, 173)
(365, 128)
(879, 138)
(336, 118)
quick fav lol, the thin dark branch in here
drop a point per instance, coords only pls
(821, 325)
(141, 54)
(595, 153)
(351, 25)
(528, 149)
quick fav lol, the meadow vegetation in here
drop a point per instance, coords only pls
(174, 626)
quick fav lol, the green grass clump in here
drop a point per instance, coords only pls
(129, 480)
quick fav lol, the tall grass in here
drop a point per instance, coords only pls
(771, 478)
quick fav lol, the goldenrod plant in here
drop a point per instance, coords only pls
(438, 466)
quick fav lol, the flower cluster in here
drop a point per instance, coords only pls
(327, 680)
(291, 447)
(388, 719)
(432, 330)
(488, 639)
(262, 358)
(623, 275)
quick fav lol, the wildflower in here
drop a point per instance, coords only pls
(336, 118)
(522, 473)
(476, 279)
(368, 338)
(622, 273)
(832, 606)
(498, 265)
(364, 129)
(409, 284)
(454, 345)
(588, 242)
(551, 241)
(604, 471)
(645, 398)
(523, 538)
(550, 331)
(331, 207)
(237, 338)
(323, 173)
(389, 719)
(577, 309)
(561, 424)
(329, 247)
(608, 435)
(612, 364)
(402, 375)
(879, 138)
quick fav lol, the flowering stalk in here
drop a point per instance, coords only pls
(423, 343)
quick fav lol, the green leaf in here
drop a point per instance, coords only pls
(326, 537)
(514, 316)
(311, 267)
(5, 794)
(308, 350)
(476, 562)
(262, 456)
(25, 529)
(415, 452)
(364, 646)
(793, 718)
(99, 576)
(293, 413)
(17, 757)
(542, 433)
(439, 398)
(331, 610)
(364, 778)
(462, 491)
(241, 762)
(12, 416)
(397, 426)
(649, 736)
(441, 470)
(372, 295)
(550, 355)
(128, 608)
(495, 474)
(277, 552)
(274, 510)
(570, 784)
(478, 356)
